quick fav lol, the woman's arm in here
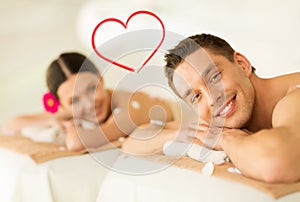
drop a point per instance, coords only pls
(150, 139)
(132, 111)
(78, 138)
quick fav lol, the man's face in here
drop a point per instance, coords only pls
(219, 90)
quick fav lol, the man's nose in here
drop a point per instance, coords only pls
(205, 106)
(214, 100)
(216, 96)
(209, 99)
(88, 103)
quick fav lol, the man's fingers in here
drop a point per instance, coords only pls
(196, 126)
(199, 142)
(232, 137)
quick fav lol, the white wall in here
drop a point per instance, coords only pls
(34, 32)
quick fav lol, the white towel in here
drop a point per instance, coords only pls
(194, 151)
(204, 155)
(52, 134)
(44, 134)
(174, 148)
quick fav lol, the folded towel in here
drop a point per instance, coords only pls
(44, 134)
(194, 151)
(53, 134)
(205, 155)
(174, 148)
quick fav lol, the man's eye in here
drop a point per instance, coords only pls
(92, 88)
(75, 100)
(215, 77)
(195, 98)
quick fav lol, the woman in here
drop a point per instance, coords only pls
(87, 113)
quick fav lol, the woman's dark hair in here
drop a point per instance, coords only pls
(64, 65)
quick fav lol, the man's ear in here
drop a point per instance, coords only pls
(243, 62)
(101, 80)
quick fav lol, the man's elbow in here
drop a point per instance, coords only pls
(132, 146)
(278, 170)
(139, 147)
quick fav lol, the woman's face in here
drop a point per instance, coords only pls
(84, 96)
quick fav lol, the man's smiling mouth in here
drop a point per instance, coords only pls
(227, 109)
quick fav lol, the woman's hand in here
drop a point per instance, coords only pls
(73, 141)
(14, 126)
(10, 128)
(57, 120)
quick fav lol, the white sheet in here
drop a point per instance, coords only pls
(82, 178)
(75, 178)
(175, 184)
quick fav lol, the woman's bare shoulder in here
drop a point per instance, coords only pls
(119, 97)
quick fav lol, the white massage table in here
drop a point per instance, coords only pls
(83, 178)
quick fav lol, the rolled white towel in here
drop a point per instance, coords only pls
(88, 125)
(44, 134)
(52, 134)
(205, 155)
(174, 148)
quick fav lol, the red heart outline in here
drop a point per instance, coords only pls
(125, 26)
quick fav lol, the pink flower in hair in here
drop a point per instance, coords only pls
(50, 102)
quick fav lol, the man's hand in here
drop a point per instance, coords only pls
(204, 136)
(232, 136)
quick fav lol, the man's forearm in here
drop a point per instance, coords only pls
(148, 140)
(269, 155)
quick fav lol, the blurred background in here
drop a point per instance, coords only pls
(35, 32)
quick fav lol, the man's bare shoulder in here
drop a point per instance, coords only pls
(287, 110)
(288, 81)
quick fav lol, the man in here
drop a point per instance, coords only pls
(259, 118)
